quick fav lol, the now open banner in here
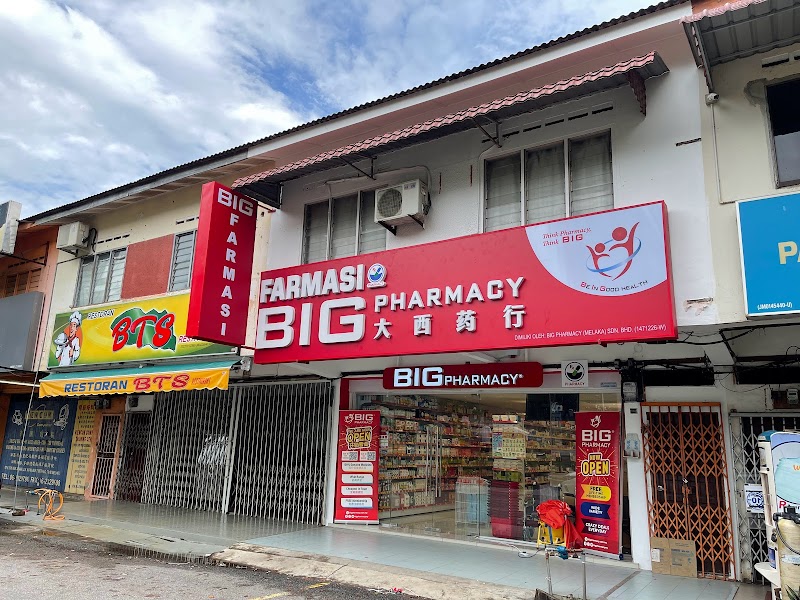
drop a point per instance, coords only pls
(598, 278)
(357, 451)
(598, 495)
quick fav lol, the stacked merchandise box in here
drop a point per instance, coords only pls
(507, 495)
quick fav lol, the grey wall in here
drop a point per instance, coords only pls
(19, 326)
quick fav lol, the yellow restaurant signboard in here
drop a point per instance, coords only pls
(132, 331)
(147, 380)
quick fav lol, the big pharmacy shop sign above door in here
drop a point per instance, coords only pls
(598, 278)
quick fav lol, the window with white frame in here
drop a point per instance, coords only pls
(342, 227)
(180, 277)
(100, 278)
(566, 179)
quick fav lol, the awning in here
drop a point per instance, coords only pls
(740, 29)
(144, 380)
(631, 72)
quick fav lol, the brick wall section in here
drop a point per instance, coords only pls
(147, 267)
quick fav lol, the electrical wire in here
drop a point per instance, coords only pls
(722, 341)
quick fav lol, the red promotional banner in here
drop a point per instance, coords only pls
(598, 278)
(223, 264)
(357, 466)
(497, 375)
(598, 499)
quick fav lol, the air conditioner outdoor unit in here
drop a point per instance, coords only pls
(403, 203)
(73, 237)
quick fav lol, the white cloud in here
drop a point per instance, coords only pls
(98, 93)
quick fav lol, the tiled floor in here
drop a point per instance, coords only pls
(201, 526)
(501, 565)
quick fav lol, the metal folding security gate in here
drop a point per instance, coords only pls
(188, 449)
(687, 482)
(280, 452)
(745, 429)
(255, 450)
(106, 456)
(133, 457)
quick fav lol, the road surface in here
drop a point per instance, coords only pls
(34, 566)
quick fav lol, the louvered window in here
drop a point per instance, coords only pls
(20, 283)
(344, 216)
(502, 193)
(544, 179)
(342, 227)
(182, 261)
(100, 278)
(590, 175)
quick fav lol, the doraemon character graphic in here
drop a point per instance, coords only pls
(68, 342)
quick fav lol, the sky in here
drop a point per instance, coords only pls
(98, 93)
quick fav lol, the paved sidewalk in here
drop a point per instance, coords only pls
(154, 530)
(426, 566)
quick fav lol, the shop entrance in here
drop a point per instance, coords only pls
(106, 456)
(252, 450)
(135, 434)
(745, 430)
(687, 481)
(463, 466)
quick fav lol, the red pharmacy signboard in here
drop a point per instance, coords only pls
(357, 466)
(597, 485)
(497, 375)
(223, 265)
(598, 278)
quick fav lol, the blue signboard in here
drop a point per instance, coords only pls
(43, 459)
(769, 233)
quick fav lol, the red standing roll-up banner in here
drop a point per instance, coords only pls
(357, 466)
(592, 279)
(598, 492)
(223, 266)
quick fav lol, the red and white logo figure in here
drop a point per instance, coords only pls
(614, 257)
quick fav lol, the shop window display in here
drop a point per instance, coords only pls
(470, 465)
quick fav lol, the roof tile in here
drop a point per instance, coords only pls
(463, 115)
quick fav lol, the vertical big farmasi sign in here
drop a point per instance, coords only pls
(223, 264)
(357, 466)
(597, 486)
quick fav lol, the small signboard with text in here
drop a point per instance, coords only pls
(592, 279)
(575, 374)
(769, 235)
(598, 497)
(37, 443)
(357, 452)
(489, 376)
